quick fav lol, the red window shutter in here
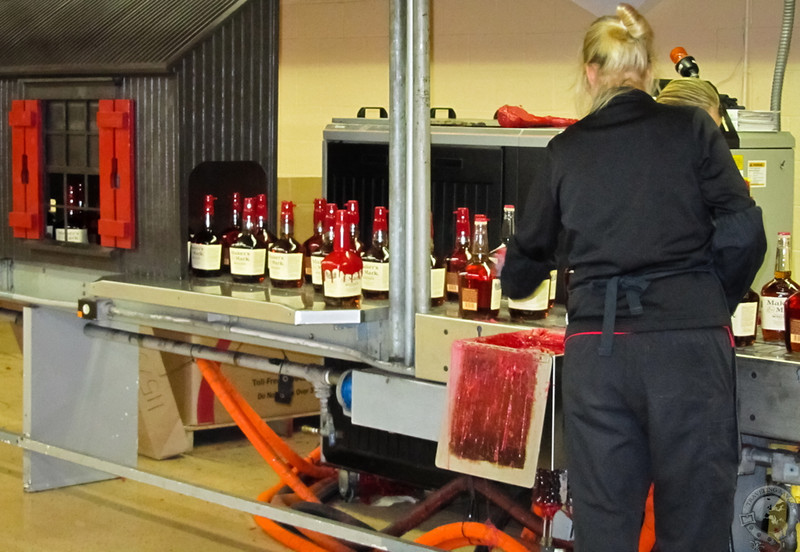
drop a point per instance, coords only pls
(27, 169)
(117, 224)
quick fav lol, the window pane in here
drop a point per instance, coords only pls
(56, 116)
(77, 116)
(55, 150)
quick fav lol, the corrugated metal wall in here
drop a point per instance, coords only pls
(228, 96)
(220, 105)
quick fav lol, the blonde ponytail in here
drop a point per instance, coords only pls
(621, 49)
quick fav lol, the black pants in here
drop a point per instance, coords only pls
(661, 409)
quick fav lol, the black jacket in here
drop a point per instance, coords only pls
(635, 190)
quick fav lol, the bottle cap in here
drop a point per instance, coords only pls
(381, 220)
(209, 204)
(287, 211)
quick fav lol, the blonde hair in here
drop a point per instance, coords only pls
(690, 91)
(621, 49)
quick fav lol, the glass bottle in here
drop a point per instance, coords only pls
(262, 220)
(314, 243)
(248, 252)
(533, 307)
(206, 247)
(438, 272)
(506, 229)
(233, 230)
(75, 229)
(342, 268)
(328, 234)
(775, 292)
(286, 254)
(479, 287)
(792, 323)
(744, 322)
(460, 255)
(375, 277)
(355, 220)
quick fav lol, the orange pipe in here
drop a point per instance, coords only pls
(266, 432)
(211, 372)
(454, 535)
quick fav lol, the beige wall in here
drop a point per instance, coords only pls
(334, 58)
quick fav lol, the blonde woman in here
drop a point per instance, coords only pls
(635, 191)
(692, 92)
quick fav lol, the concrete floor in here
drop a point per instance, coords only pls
(125, 515)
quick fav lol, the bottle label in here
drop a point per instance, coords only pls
(206, 257)
(743, 321)
(316, 269)
(539, 300)
(339, 284)
(553, 281)
(497, 293)
(248, 262)
(452, 282)
(285, 266)
(772, 313)
(77, 235)
(794, 331)
(375, 276)
(469, 299)
(61, 234)
(437, 282)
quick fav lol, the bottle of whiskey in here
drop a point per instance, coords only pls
(533, 307)
(314, 243)
(355, 221)
(342, 268)
(375, 278)
(438, 272)
(233, 230)
(75, 229)
(460, 255)
(744, 322)
(248, 252)
(286, 254)
(479, 287)
(206, 247)
(775, 292)
(262, 221)
(328, 235)
(792, 327)
(498, 254)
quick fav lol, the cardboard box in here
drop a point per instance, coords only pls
(197, 405)
(161, 431)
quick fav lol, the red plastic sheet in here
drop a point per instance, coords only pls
(513, 116)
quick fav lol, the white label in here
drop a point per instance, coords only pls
(553, 281)
(206, 257)
(757, 174)
(537, 301)
(316, 269)
(497, 292)
(437, 283)
(248, 262)
(61, 234)
(452, 282)
(77, 235)
(772, 313)
(339, 284)
(285, 266)
(743, 321)
(375, 276)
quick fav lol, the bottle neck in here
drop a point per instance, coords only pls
(341, 236)
(480, 247)
(783, 259)
(507, 228)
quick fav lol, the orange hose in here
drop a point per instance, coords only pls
(211, 372)
(264, 431)
(647, 538)
(454, 535)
